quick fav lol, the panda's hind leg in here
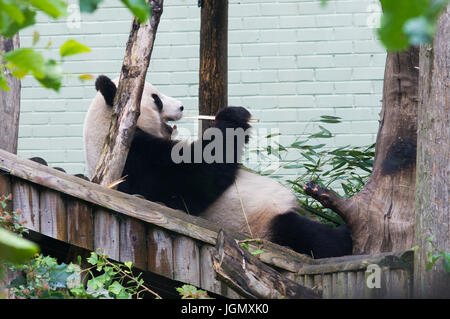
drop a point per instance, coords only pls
(310, 237)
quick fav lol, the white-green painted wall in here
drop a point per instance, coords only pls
(289, 62)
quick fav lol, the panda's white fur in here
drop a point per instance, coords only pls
(261, 206)
(150, 120)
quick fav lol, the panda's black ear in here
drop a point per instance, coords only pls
(107, 88)
(158, 102)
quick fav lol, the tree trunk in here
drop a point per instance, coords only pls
(128, 98)
(9, 103)
(213, 82)
(9, 132)
(381, 215)
(433, 158)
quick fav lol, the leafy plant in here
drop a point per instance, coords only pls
(16, 15)
(434, 254)
(13, 248)
(192, 292)
(345, 169)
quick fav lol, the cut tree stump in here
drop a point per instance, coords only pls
(250, 277)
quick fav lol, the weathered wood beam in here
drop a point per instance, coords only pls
(128, 98)
(213, 81)
(250, 277)
(132, 206)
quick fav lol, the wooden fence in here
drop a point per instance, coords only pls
(169, 242)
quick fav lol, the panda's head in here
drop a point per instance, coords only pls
(156, 108)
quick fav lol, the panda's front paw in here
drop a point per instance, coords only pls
(234, 116)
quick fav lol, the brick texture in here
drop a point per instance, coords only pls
(290, 61)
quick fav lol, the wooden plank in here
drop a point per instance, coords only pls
(53, 214)
(208, 279)
(335, 285)
(106, 233)
(352, 291)
(231, 294)
(360, 284)
(342, 284)
(133, 245)
(160, 253)
(26, 198)
(399, 284)
(186, 260)
(144, 210)
(327, 286)
(309, 281)
(80, 224)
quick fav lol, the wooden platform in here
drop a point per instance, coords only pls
(172, 243)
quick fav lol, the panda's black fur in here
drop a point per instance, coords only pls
(192, 187)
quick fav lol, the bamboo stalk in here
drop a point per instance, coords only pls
(208, 117)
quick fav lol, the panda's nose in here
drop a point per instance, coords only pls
(181, 108)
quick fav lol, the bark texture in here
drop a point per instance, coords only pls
(381, 215)
(213, 88)
(433, 162)
(9, 103)
(128, 97)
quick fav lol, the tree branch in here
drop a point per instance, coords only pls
(128, 98)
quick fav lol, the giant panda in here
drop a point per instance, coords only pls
(155, 111)
(222, 192)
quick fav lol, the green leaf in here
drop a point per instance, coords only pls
(419, 30)
(36, 37)
(9, 27)
(53, 8)
(4, 86)
(12, 11)
(15, 249)
(52, 75)
(115, 288)
(89, 6)
(72, 47)
(26, 60)
(58, 276)
(93, 259)
(140, 9)
(257, 252)
(129, 264)
(408, 22)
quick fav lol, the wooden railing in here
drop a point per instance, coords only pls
(169, 242)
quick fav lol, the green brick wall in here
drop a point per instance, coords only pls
(289, 62)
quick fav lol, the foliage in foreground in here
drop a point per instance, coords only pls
(408, 22)
(16, 15)
(43, 277)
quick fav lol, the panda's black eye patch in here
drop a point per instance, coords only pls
(158, 101)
